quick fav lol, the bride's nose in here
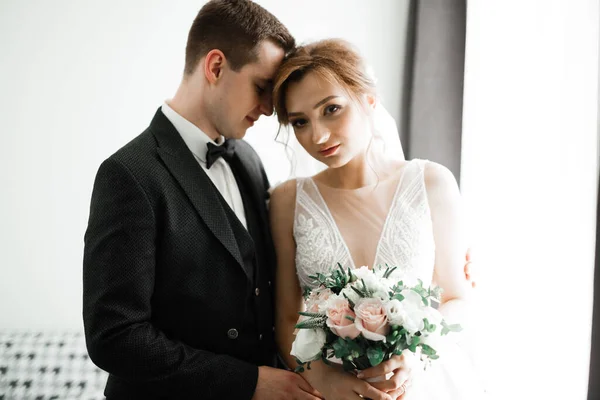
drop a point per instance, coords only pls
(320, 134)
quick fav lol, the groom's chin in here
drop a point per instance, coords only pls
(233, 136)
(240, 134)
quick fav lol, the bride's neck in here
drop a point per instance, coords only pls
(358, 173)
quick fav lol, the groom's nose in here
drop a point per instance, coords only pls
(266, 104)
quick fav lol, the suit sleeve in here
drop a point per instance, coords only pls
(118, 282)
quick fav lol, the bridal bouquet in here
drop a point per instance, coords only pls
(362, 317)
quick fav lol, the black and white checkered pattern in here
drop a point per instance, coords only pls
(45, 366)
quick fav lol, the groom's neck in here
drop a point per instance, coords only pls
(190, 102)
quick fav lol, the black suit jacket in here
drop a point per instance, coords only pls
(169, 301)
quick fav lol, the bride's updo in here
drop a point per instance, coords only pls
(334, 60)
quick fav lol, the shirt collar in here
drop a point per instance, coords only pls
(195, 139)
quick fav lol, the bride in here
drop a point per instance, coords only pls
(368, 207)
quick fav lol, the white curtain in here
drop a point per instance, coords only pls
(529, 179)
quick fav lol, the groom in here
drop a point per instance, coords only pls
(178, 260)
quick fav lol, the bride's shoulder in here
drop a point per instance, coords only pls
(439, 180)
(284, 194)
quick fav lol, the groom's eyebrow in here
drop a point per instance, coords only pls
(320, 103)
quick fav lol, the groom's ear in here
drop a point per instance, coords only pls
(214, 63)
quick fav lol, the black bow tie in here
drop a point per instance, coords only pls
(226, 150)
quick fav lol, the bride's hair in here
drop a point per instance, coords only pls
(334, 60)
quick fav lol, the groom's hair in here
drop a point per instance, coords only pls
(235, 27)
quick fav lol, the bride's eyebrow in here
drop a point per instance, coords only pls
(325, 100)
(320, 103)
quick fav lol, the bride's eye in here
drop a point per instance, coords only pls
(298, 123)
(331, 109)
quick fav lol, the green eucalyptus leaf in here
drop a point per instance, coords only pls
(375, 355)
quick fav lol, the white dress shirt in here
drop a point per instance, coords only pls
(220, 172)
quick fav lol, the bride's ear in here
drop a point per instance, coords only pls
(371, 101)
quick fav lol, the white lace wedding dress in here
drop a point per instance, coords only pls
(388, 223)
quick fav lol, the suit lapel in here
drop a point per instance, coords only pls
(195, 183)
(251, 173)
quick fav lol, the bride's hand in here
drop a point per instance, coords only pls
(335, 384)
(401, 366)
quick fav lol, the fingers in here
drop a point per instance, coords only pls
(308, 391)
(383, 369)
(395, 382)
(468, 269)
(369, 392)
(398, 394)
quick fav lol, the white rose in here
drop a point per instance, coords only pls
(412, 299)
(395, 312)
(308, 344)
(414, 311)
(413, 321)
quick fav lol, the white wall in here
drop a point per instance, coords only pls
(81, 78)
(529, 178)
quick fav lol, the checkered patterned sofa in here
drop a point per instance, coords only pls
(48, 366)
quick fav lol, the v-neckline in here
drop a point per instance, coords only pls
(385, 223)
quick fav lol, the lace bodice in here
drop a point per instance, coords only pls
(406, 239)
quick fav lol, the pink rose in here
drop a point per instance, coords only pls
(371, 319)
(337, 321)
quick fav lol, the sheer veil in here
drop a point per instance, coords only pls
(386, 131)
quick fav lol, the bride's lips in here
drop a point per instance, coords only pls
(329, 151)
(250, 120)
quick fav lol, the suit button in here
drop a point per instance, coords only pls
(269, 283)
(273, 329)
(260, 337)
(257, 291)
(232, 333)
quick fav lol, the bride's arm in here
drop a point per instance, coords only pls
(331, 382)
(450, 242)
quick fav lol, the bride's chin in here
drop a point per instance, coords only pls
(332, 163)
(335, 161)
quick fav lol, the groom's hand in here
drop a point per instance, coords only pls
(470, 269)
(278, 384)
